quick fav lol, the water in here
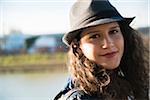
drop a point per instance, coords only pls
(31, 86)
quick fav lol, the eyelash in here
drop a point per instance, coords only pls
(94, 36)
(113, 31)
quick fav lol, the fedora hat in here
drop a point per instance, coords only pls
(87, 13)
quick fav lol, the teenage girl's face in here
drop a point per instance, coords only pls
(103, 44)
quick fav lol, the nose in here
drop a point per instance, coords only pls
(107, 42)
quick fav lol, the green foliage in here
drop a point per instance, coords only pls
(30, 59)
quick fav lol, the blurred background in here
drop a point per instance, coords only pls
(32, 55)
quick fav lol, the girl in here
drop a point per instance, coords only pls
(107, 58)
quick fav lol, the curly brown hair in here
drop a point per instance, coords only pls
(92, 79)
(135, 61)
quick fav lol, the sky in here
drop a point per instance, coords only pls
(52, 16)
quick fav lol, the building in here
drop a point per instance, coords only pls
(45, 43)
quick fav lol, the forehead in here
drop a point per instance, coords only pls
(101, 27)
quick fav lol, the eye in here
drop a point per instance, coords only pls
(94, 36)
(115, 31)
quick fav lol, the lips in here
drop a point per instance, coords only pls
(110, 54)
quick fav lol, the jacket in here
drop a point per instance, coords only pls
(70, 93)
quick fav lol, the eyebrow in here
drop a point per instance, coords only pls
(89, 33)
(95, 31)
(115, 27)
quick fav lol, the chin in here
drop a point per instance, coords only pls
(110, 67)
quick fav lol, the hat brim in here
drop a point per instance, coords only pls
(68, 37)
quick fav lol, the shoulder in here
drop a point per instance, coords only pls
(71, 93)
(75, 94)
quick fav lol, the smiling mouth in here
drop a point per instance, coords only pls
(110, 55)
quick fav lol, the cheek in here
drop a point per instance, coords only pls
(88, 50)
(120, 44)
